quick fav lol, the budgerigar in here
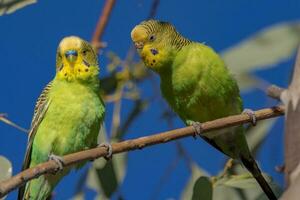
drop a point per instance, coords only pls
(68, 114)
(198, 87)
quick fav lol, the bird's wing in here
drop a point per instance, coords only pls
(40, 110)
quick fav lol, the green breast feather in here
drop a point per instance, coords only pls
(200, 87)
(71, 123)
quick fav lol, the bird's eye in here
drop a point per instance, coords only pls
(152, 38)
(84, 52)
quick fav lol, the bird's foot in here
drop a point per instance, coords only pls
(252, 115)
(59, 161)
(109, 150)
(198, 129)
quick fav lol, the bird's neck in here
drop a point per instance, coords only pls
(177, 41)
(92, 83)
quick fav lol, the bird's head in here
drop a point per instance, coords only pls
(152, 40)
(76, 60)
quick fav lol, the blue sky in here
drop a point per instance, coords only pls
(28, 42)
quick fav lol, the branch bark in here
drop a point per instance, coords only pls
(129, 145)
(275, 92)
(290, 99)
(101, 24)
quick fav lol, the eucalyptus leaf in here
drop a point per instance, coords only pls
(196, 172)
(5, 169)
(104, 177)
(242, 181)
(109, 83)
(246, 81)
(276, 189)
(226, 193)
(258, 194)
(202, 189)
(244, 187)
(265, 49)
(257, 134)
(78, 196)
(10, 6)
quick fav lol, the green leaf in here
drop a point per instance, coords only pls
(104, 177)
(202, 189)
(5, 169)
(276, 189)
(258, 194)
(243, 187)
(10, 6)
(242, 181)
(109, 83)
(138, 108)
(256, 134)
(196, 172)
(78, 196)
(225, 193)
(268, 47)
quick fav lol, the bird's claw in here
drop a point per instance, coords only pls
(58, 160)
(109, 150)
(252, 115)
(198, 129)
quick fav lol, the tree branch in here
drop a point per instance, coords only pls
(274, 92)
(129, 145)
(290, 99)
(96, 39)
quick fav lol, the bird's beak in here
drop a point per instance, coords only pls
(139, 45)
(138, 35)
(71, 55)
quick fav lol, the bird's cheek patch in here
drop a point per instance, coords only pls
(154, 51)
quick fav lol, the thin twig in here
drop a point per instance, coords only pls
(274, 92)
(153, 9)
(129, 145)
(7, 121)
(101, 24)
(116, 121)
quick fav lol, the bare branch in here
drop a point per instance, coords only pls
(129, 145)
(105, 13)
(153, 9)
(274, 92)
(290, 99)
(7, 121)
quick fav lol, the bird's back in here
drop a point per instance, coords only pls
(201, 87)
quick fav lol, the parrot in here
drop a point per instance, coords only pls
(198, 87)
(68, 115)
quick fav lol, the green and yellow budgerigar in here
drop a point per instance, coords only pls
(198, 87)
(68, 115)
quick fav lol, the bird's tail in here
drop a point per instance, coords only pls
(38, 189)
(252, 167)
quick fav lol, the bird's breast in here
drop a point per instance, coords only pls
(72, 121)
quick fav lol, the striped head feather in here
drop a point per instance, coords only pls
(157, 42)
